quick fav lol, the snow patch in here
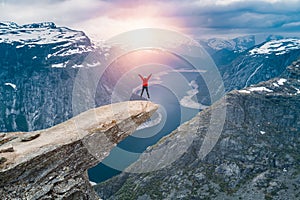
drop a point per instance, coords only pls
(284, 170)
(275, 84)
(93, 183)
(260, 89)
(255, 89)
(11, 85)
(244, 91)
(281, 81)
(262, 132)
(297, 91)
(278, 47)
(77, 66)
(59, 65)
(93, 64)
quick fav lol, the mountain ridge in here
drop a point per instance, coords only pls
(37, 81)
(256, 156)
(38, 68)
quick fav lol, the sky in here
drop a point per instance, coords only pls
(102, 19)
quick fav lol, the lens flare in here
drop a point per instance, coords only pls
(176, 62)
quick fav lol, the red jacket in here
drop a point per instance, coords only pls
(145, 80)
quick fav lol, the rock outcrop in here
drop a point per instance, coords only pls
(39, 66)
(257, 155)
(52, 163)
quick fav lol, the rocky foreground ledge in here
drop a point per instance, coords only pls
(53, 163)
(256, 156)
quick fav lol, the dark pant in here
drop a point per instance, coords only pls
(145, 88)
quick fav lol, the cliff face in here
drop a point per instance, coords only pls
(52, 163)
(38, 68)
(257, 155)
(242, 64)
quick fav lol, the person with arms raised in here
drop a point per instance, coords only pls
(145, 84)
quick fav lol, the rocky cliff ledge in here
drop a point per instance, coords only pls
(52, 163)
(257, 155)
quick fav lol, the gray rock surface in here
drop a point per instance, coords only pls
(38, 69)
(52, 163)
(257, 155)
(242, 63)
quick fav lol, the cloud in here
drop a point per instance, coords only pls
(211, 16)
(238, 16)
(63, 12)
(205, 17)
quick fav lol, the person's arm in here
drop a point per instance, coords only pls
(149, 76)
(141, 77)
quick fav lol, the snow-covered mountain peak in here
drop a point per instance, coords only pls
(40, 25)
(219, 44)
(239, 44)
(58, 42)
(277, 47)
(38, 34)
(8, 25)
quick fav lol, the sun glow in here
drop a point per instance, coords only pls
(114, 23)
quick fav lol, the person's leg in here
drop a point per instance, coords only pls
(142, 91)
(147, 92)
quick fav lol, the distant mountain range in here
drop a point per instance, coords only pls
(39, 63)
(241, 62)
(238, 44)
(38, 69)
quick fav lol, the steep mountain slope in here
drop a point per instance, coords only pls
(257, 155)
(260, 63)
(242, 63)
(38, 66)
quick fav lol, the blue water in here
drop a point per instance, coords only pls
(119, 157)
